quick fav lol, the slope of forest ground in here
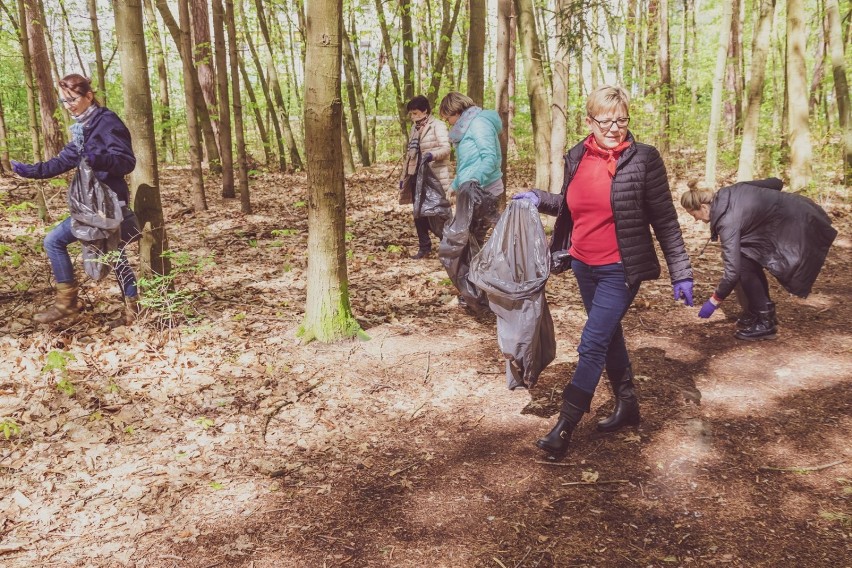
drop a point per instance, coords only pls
(218, 439)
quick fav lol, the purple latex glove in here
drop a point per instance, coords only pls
(18, 168)
(683, 289)
(530, 195)
(707, 309)
(427, 157)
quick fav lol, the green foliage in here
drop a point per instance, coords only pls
(284, 232)
(159, 292)
(394, 249)
(9, 428)
(204, 422)
(57, 363)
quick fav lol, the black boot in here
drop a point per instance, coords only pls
(746, 320)
(626, 411)
(764, 328)
(422, 253)
(575, 403)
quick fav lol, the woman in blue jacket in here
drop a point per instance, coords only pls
(99, 136)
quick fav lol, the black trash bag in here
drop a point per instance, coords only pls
(430, 200)
(476, 211)
(96, 216)
(512, 269)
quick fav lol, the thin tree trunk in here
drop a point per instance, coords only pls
(716, 99)
(397, 84)
(221, 56)
(733, 109)
(156, 47)
(96, 45)
(71, 36)
(559, 108)
(328, 316)
(4, 142)
(258, 116)
(537, 91)
(351, 78)
(751, 121)
(264, 87)
(630, 29)
(476, 51)
(199, 200)
(295, 159)
(448, 24)
(407, 50)
(239, 124)
(346, 147)
(666, 87)
(29, 83)
(64, 117)
(818, 75)
(203, 59)
(51, 132)
(139, 114)
(797, 92)
(841, 86)
(505, 23)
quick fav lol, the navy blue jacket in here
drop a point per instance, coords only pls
(107, 141)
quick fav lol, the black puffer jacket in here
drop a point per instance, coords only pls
(787, 234)
(640, 199)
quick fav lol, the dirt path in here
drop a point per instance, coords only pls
(224, 442)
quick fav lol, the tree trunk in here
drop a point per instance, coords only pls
(797, 96)
(258, 117)
(559, 108)
(295, 159)
(751, 121)
(505, 23)
(221, 74)
(50, 129)
(139, 114)
(841, 86)
(96, 45)
(346, 147)
(665, 79)
(818, 75)
(199, 200)
(476, 51)
(239, 123)
(5, 162)
(264, 87)
(630, 36)
(328, 316)
(448, 24)
(733, 109)
(537, 91)
(156, 47)
(71, 36)
(24, 37)
(203, 59)
(716, 99)
(351, 78)
(407, 50)
(397, 85)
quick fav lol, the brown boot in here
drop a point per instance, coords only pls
(131, 310)
(66, 304)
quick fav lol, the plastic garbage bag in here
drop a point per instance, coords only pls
(512, 269)
(476, 211)
(96, 216)
(430, 200)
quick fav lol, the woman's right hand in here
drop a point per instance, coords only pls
(529, 195)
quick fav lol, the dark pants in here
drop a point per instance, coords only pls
(424, 242)
(606, 298)
(56, 246)
(753, 281)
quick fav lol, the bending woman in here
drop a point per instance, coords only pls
(99, 136)
(615, 191)
(759, 226)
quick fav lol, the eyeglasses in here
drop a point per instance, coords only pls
(70, 101)
(607, 124)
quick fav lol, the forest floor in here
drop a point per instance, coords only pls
(222, 440)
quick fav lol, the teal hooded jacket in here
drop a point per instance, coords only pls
(478, 155)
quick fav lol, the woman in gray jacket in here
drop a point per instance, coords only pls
(759, 226)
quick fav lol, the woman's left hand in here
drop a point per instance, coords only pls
(683, 289)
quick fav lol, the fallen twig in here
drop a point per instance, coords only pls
(596, 482)
(278, 408)
(542, 462)
(801, 469)
(428, 366)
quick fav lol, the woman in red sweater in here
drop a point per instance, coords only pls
(615, 191)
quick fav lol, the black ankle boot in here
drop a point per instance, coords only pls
(746, 320)
(626, 411)
(764, 328)
(575, 403)
(422, 253)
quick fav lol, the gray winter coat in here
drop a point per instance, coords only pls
(786, 233)
(640, 200)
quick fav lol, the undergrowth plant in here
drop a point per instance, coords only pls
(57, 364)
(167, 295)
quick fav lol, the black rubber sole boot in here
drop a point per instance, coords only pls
(575, 403)
(764, 328)
(626, 411)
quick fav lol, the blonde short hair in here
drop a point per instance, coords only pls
(455, 103)
(693, 199)
(607, 98)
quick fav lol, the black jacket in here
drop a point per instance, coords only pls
(640, 200)
(787, 234)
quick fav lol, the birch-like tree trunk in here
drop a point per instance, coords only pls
(328, 316)
(97, 47)
(448, 24)
(223, 99)
(199, 200)
(536, 89)
(352, 77)
(505, 23)
(476, 51)
(139, 115)
(718, 91)
(51, 132)
(754, 97)
(841, 86)
(559, 108)
(797, 96)
(5, 161)
(156, 47)
(239, 123)
(258, 117)
(733, 108)
(397, 84)
(666, 87)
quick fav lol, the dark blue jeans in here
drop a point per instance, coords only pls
(56, 246)
(606, 298)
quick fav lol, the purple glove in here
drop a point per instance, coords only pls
(707, 309)
(530, 195)
(683, 289)
(18, 168)
(427, 157)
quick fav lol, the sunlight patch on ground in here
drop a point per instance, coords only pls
(681, 450)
